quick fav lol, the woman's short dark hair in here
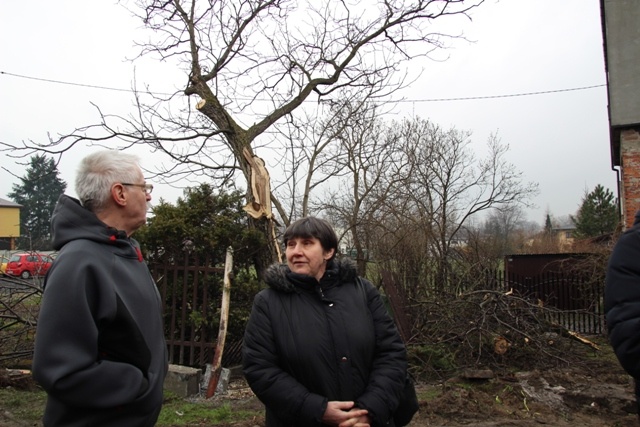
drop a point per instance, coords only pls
(313, 227)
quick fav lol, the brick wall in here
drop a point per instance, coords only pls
(630, 162)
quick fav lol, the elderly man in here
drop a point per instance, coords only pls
(100, 352)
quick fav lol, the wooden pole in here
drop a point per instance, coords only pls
(216, 367)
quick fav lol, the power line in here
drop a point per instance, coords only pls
(465, 98)
(78, 84)
(468, 98)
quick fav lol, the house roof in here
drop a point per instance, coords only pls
(8, 204)
(564, 227)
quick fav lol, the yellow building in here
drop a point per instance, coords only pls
(9, 224)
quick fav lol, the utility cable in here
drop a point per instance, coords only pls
(465, 98)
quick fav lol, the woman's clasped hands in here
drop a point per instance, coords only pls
(345, 414)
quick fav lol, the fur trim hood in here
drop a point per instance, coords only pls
(343, 270)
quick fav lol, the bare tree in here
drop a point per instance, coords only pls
(444, 185)
(503, 231)
(364, 154)
(258, 61)
(315, 155)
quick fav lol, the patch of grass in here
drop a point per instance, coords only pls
(464, 385)
(24, 405)
(437, 356)
(183, 412)
(429, 394)
(28, 406)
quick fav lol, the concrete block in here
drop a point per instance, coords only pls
(223, 382)
(183, 380)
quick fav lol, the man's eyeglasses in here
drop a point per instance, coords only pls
(148, 188)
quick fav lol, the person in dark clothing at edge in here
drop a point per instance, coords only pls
(100, 352)
(320, 348)
(622, 302)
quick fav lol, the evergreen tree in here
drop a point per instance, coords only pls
(38, 193)
(548, 228)
(598, 213)
(204, 221)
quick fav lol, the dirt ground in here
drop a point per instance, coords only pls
(595, 394)
(600, 394)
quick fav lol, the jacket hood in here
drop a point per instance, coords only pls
(71, 221)
(636, 219)
(276, 275)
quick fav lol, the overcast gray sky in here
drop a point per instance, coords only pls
(534, 75)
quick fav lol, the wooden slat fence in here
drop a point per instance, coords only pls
(190, 290)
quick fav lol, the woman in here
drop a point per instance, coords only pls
(320, 348)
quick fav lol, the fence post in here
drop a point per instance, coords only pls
(216, 367)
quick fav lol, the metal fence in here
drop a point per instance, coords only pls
(576, 301)
(573, 301)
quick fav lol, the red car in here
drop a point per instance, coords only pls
(30, 264)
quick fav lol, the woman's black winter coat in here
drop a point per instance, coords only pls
(310, 342)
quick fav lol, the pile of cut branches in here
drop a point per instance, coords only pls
(489, 329)
(19, 308)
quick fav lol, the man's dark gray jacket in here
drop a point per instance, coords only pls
(100, 352)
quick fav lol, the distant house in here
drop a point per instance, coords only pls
(565, 235)
(561, 237)
(9, 224)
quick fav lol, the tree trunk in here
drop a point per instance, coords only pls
(239, 141)
(270, 252)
